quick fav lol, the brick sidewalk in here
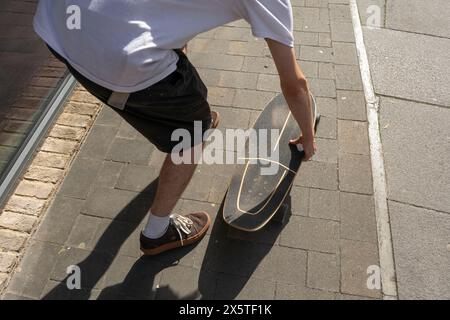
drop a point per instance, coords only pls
(322, 252)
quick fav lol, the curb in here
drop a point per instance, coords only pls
(385, 248)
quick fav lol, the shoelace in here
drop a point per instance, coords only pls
(181, 223)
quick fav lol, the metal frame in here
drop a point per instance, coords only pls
(22, 157)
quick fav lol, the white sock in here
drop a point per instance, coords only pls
(156, 226)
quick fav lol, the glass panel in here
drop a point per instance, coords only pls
(29, 75)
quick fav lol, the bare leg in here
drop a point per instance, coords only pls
(173, 180)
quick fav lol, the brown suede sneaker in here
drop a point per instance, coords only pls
(182, 231)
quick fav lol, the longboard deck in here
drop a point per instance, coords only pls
(252, 198)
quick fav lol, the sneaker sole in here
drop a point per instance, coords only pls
(177, 244)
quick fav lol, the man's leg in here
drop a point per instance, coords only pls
(173, 180)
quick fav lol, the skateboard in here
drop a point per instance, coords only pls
(253, 198)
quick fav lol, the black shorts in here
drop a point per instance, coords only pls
(175, 102)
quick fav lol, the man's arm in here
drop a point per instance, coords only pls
(295, 89)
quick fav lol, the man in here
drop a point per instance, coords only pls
(131, 55)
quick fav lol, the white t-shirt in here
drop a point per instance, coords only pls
(127, 45)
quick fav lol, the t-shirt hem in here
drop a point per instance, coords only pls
(289, 43)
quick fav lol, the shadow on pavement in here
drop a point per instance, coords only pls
(235, 255)
(230, 259)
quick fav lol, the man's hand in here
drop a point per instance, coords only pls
(308, 144)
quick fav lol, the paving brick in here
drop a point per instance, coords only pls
(348, 77)
(309, 68)
(252, 99)
(326, 71)
(44, 174)
(238, 80)
(311, 234)
(34, 270)
(55, 290)
(233, 118)
(345, 53)
(324, 204)
(320, 54)
(98, 141)
(83, 96)
(59, 220)
(80, 177)
(199, 187)
(17, 221)
(233, 33)
(323, 88)
(121, 205)
(51, 160)
(268, 82)
(189, 256)
(248, 49)
(259, 65)
(27, 205)
(126, 131)
(339, 12)
(210, 77)
(207, 45)
(92, 266)
(108, 117)
(136, 178)
(324, 40)
(180, 282)
(306, 38)
(327, 107)
(281, 264)
(130, 279)
(130, 151)
(118, 236)
(218, 189)
(12, 240)
(221, 96)
(356, 257)
(7, 261)
(74, 120)
(317, 175)
(59, 145)
(353, 137)
(323, 271)
(327, 150)
(216, 61)
(241, 288)
(301, 292)
(342, 31)
(83, 232)
(267, 235)
(3, 280)
(351, 105)
(89, 109)
(313, 25)
(299, 200)
(36, 189)
(108, 174)
(358, 217)
(355, 173)
(306, 13)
